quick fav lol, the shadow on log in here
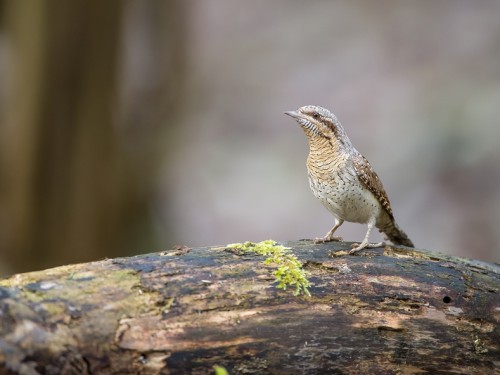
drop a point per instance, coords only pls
(381, 311)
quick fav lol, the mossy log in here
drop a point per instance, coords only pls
(380, 311)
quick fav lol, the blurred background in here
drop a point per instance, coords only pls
(131, 126)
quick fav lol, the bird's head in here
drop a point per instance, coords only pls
(319, 122)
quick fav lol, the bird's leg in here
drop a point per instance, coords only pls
(329, 236)
(365, 244)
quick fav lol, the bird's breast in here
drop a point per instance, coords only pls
(341, 192)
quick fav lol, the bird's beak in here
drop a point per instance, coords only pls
(294, 114)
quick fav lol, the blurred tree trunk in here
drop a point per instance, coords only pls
(71, 189)
(65, 174)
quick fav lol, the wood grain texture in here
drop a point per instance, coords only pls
(383, 311)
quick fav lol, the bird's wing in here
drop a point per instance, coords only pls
(370, 179)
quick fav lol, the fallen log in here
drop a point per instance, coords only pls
(183, 311)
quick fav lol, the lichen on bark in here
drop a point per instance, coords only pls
(289, 270)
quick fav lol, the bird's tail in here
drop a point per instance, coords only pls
(396, 235)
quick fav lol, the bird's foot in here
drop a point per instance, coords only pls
(364, 245)
(327, 238)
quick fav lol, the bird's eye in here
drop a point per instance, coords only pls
(315, 115)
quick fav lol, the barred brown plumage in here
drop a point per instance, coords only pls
(343, 179)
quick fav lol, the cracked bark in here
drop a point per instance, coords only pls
(391, 310)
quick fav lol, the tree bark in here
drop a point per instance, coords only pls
(182, 311)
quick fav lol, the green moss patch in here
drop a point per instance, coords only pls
(289, 271)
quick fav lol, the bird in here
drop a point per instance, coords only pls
(344, 181)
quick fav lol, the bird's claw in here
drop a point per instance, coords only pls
(364, 245)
